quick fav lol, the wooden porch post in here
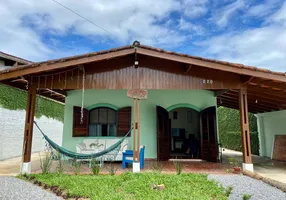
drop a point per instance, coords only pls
(245, 135)
(28, 131)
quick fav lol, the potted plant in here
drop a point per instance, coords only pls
(235, 165)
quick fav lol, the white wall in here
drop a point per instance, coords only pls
(12, 130)
(269, 125)
(2, 65)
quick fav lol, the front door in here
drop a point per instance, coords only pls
(163, 134)
(209, 146)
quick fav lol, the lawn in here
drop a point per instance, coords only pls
(135, 186)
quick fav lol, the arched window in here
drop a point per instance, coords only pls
(102, 122)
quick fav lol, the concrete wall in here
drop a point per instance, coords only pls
(269, 125)
(12, 130)
(198, 99)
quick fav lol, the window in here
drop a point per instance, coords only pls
(102, 122)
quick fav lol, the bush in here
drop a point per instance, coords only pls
(95, 166)
(229, 130)
(46, 107)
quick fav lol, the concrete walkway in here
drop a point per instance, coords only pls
(264, 166)
(11, 167)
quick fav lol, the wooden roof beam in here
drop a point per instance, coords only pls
(259, 103)
(59, 65)
(211, 65)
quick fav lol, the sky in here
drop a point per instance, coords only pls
(250, 32)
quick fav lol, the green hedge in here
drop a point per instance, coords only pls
(16, 99)
(229, 129)
(232, 140)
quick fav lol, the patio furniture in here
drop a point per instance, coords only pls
(88, 146)
(127, 157)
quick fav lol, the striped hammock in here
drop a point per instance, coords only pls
(115, 147)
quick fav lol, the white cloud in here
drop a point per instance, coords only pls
(262, 47)
(223, 15)
(195, 8)
(194, 29)
(126, 20)
(262, 9)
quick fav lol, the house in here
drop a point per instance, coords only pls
(183, 94)
(8, 61)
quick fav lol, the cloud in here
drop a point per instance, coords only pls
(263, 47)
(127, 20)
(223, 15)
(262, 9)
(194, 8)
(185, 25)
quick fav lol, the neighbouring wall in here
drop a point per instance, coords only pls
(269, 125)
(12, 132)
(166, 98)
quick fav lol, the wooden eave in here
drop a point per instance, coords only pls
(266, 89)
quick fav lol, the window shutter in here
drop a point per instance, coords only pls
(124, 121)
(80, 130)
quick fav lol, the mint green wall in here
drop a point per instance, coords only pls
(166, 98)
(269, 125)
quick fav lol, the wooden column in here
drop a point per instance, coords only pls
(136, 130)
(28, 131)
(245, 135)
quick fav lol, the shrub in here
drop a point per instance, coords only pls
(45, 163)
(178, 166)
(157, 166)
(228, 191)
(112, 169)
(246, 196)
(229, 130)
(95, 166)
(232, 140)
(60, 166)
(76, 166)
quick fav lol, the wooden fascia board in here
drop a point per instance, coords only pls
(211, 65)
(59, 65)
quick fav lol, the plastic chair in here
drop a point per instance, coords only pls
(127, 157)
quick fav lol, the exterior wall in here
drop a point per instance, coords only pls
(269, 125)
(2, 65)
(12, 132)
(199, 99)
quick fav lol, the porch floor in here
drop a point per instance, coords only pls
(264, 166)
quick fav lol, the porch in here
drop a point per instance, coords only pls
(73, 80)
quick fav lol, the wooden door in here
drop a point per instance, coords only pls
(163, 134)
(209, 146)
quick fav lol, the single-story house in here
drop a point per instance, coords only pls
(183, 94)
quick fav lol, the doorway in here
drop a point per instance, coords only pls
(187, 134)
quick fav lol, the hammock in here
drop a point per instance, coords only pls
(74, 155)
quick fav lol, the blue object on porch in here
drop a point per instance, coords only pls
(127, 157)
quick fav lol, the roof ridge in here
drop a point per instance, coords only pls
(15, 57)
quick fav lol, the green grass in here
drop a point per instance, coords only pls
(135, 186)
